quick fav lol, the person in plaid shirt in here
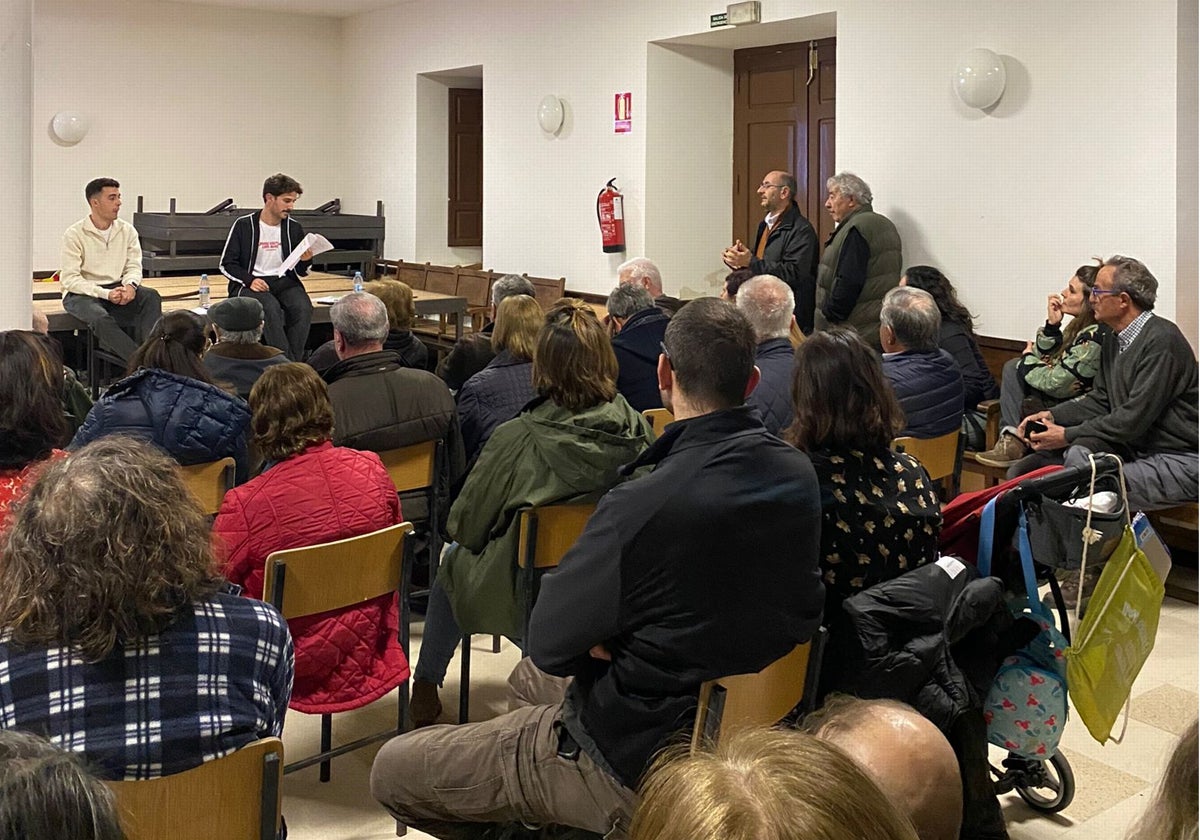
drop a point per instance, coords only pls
(118, 639)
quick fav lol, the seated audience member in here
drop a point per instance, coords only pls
(401, 340)
(639, 271)
(46, 792)
(239, 357)
(654, 598)
(170, 400)
(766, 783)
(1173, 811)
(100, 270)
(880, 515)
(957, 337)
(1143, 406)
(1058, 365)
(75, 399)
(637, 327)
(112, 598)
(733, 282)
(495, 394)
(379, 404)
(329, 493)
(473, 351)
(33, 427)
(566, 445)
(767, 302)
(888, 739)
(925, 378)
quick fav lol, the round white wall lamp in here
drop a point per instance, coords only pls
(979, 78)
(550, 114)
(69, 127)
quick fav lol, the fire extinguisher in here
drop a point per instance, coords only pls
(611, 216)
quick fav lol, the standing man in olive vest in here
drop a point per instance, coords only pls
(784, 246)
(861, 260)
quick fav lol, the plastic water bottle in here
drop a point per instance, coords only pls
(204, 291)
(358, 281)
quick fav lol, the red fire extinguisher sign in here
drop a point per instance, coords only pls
(611, 215)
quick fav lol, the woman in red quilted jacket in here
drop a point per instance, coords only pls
(310, 492)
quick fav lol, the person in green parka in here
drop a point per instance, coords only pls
(565, 445)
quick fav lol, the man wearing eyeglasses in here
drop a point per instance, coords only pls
(1143, 405)
(785, 245)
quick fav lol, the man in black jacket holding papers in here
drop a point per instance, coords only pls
(256, 250)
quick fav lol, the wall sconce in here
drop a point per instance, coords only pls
(979, 78)
(550, 114)
(69, 127)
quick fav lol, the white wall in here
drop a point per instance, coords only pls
(1076, 160)
(193, 102)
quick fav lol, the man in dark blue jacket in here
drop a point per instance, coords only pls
(638, 327)
(768, 305)
(253, 257)
(926, 379)
(705, 567)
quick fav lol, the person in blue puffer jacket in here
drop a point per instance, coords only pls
(169, 400)
(925, 378)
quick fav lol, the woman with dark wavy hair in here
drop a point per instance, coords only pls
(33, 425)
(880, 512)
(311, 492)
(169, 399)
(117, 637)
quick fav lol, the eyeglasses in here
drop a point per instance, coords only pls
(662, 346)
(1096, 292)
(766, 186)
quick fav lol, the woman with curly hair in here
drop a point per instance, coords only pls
(118, 639)
(311, 492)
(33, 426)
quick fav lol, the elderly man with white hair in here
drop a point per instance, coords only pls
(239, 357)
(769, 305)
(639, 271)
(861, 260)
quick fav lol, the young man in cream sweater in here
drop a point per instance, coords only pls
(101, 273)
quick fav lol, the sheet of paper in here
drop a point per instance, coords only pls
(314, 241)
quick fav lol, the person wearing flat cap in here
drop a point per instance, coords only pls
(238, 357)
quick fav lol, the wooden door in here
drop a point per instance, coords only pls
(783, 120)
(464, 213)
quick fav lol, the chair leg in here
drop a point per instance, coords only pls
(495, 644)
(464, 687)
(326, 744)
(401, 829)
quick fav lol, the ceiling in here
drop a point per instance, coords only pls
(323, 8)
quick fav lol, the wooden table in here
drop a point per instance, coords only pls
(183, 293)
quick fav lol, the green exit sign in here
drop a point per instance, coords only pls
(718, 20)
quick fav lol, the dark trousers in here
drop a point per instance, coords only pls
(287, 314)
(113, 323)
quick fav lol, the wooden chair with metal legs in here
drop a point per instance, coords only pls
(545, 534)
(763, 699)
(339, 575)
(238, 795)
(940, 456)
(659, 418)
(209, 482)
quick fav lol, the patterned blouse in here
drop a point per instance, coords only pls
(881, 517)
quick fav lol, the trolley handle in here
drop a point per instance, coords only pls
(1066, 480)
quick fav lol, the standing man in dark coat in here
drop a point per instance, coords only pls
(253, 257)
(638, 327)
(785, 245)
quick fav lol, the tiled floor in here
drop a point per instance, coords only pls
(1113, 782)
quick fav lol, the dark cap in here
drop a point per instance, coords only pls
(237, 314)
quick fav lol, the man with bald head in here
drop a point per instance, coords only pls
(906, 755)
(639, 271)
(785, 245)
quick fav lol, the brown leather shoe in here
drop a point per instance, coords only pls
(424, 706)
(1007, 451)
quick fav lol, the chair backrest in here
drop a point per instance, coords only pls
(939, 456)
(209, 482)
(546, 533)
(385, 269)
(235, 796)
(334, 575)
(412, 274)
(547, 290)
(442, 279)
(411, 467)
(475, 285)
(763, 699)
(659, 418)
